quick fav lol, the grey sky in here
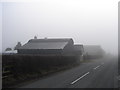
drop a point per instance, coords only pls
(86, 21)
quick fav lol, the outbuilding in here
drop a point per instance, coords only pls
(93, 51)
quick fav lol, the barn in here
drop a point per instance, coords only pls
(47, 46)
(56, 46)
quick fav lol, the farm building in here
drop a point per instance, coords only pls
(79, 50)
(93, 51)
(50, 46)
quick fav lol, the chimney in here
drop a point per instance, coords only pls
(45, 37)
(35, 37)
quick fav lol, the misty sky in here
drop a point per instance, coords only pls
(88, 22)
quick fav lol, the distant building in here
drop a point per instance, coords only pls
(93, 51)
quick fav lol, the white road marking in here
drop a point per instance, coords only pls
(80, 77)
(96, 67)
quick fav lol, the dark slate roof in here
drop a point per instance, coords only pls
(50, 40)
(45, 44)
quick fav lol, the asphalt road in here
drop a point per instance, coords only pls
(99, 73)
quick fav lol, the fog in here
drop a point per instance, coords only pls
(88, 22)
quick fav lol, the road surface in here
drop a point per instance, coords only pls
(99, 73)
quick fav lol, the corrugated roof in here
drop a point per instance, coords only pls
(44, 45)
